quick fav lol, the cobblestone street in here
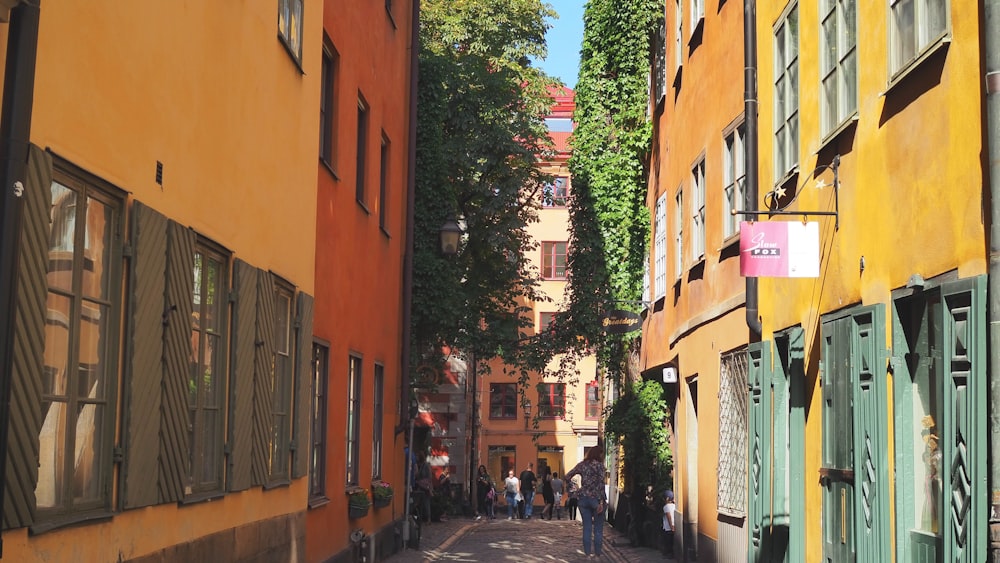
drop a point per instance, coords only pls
(534, 540)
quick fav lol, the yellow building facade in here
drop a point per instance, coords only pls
(856, 398)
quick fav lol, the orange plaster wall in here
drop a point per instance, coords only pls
(358, 266)
(216, 98)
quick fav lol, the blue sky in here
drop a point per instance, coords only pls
(564, 40)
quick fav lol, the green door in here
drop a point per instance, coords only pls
(854, 472)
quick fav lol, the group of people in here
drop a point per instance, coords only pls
(582, 488)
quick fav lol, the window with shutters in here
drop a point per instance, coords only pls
(318, 415)
(378, 411)
(281, 384)
(354, 382)
(79, 377)
(207, 377)
(733, 429)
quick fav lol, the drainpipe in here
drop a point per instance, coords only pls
(991, 35)
(750, 119)
(411, 189)
(15, 130)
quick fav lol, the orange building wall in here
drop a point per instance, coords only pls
(213, 95)
(702, 314)
(358, 266)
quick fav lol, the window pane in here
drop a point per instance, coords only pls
(937, 19)
(88, 452)
(62, 237)
(904, 47)
(57, 343)
(51, 452)
(96, 254)
(93, 327)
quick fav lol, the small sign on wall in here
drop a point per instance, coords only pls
(670, 374)
(779, 249)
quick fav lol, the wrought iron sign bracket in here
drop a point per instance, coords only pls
(780, 210)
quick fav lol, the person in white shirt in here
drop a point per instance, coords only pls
(669, 525)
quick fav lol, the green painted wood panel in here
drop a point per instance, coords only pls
(29, 344)
(177, 349)
(303, 385)
(791, 361)
(838, 440)
(964, 337)
(263, 371)
(241, 379)
(758, 456)
(144, 356)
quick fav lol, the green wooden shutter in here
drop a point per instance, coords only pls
(174, 446)
(303, 386)
(793, 365)
(144, 356)
(241, 387)
(29, 344)
(262, 372)
(838, 442)
(759, 444)
(871, 463)
(964, 335)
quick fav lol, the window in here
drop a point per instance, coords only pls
(503, 400)
(383, 181)
(593, 401)
(559, 124)
(353, 419)
(679, 233)
(555, 194)
(80, 358)
(698, 210)
(678, 36)
(359, 188)
(551, 400)
(839, 71)
(206, 381)
(327, 113)
(318, 412)
(290, 27)
(378, 411)
(660, 247)
(733, 431)
(734, 177)
(786, 93)
(645, 281)
(660, 64)
(697, 13)
(554, 260)
(545, 320)
(914, 27)
(281, 383)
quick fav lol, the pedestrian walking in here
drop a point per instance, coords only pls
(548, 496)
(669, 509)
(557, 496)
(574, 496)
(592, 499)
(512, 490)
(483, 486)
(528, 481)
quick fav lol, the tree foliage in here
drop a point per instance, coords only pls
(639, 419)
(480, 135)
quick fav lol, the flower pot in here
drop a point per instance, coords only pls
(382, 502)
(357, 511)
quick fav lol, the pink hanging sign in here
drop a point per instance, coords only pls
(779, 249)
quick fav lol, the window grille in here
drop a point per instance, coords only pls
(733, 433)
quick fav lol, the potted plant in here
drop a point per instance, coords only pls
(357, 502)
(381, 493)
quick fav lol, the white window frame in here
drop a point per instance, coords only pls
(924, 38)
(679, 232)
(786, 108)
(698, 210)
(734, 179)
(679, 37)
(660, 247)
(838, 63)
(697, 13)
(645, 282)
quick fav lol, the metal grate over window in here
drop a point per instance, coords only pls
(733, 433)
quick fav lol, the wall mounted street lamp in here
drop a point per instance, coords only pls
(527, 412)
(450, 232)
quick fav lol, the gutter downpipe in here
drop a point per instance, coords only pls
(991, 42)
(411, 188)
(15, 133)
(750, 118)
